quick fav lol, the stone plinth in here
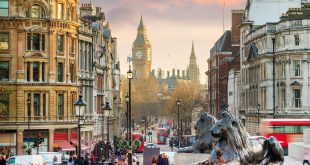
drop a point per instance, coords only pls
(189, 158)
(296, 149)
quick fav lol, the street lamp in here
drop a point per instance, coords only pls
(107, 110)
(258, 108)
(178, 102)
(127, 116)
(144, 121)
(273, 78)
(102, 127)
(80, 106)
(129, 76)
(29, 118)
(181, 134)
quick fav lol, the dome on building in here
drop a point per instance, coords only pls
(106, 32)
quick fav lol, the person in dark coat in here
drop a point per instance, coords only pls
(2, 161)
(85, 161)
(164, 160)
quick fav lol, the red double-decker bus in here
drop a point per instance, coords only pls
(138, 136)
(285, 130)
(162, 135)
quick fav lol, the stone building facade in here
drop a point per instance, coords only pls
(291, 53)
(99, 73)
(217, 93)
(86, 76)
(38, 66)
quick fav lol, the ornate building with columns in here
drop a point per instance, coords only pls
(38, 68)
(291, 74)
(99, 73)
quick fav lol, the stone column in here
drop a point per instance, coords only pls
(31, 72)
(20, 77)
(19, 142)
(40, 71)
(41, 106)
(288, 89)
(52, 52)
(305, 87)
(51, 140)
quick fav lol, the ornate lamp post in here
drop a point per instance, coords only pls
(29, 119)
(127, 117)
(80, 106)
(129, 76)
(144, 121)
(273, 78)
(178, 102)
(107, 110)
(258, 115)
(102, 127)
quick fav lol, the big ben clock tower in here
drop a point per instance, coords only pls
(142, 54)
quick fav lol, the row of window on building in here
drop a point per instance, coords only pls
(37, 72)
(258, 72)
(37, 11)
(251, 98)
(37, 41)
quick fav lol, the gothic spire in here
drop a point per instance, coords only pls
(141, 36)
(193, 56)
(141, 24)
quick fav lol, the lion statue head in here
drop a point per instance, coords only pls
(230, 134)
(204, 124)
(203, 143)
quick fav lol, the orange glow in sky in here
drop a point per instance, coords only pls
(171, 25)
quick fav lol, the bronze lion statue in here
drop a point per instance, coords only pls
(203, 143)
(233, 143)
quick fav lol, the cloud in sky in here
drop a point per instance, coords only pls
(219, 2)
(172, 25)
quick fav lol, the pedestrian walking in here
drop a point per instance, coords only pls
(306, 157)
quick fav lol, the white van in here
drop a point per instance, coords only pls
(26, 160)
(49, 156)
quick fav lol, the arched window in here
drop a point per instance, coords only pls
(35, 11)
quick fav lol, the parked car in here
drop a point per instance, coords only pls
(26, 159)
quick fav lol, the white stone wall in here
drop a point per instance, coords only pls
(233, 91)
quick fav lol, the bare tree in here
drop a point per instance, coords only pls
(190, 95)
(144, 97)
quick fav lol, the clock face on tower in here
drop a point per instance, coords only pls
(139, 54)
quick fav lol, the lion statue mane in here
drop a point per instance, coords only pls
(233, 143)
(203, 142)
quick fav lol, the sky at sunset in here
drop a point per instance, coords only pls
(171, 25)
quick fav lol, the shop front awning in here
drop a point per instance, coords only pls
(64, 145)
(75, 142)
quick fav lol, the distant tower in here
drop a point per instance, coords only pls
(141, 53)
(193, 69)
